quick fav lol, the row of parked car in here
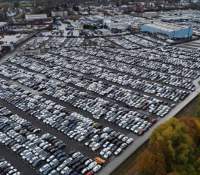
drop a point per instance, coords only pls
(141, 76)
(6, 168)
(52, 42)
(43, 151)
(141, 41)
(146, 103)
(98, 67)
(151, 38)
(103, 140)
(113, 77)
(121, 41)
(74, 42)
(176, 58)
(122, 79)
(132, 99)
(140, 66)
(99, 107)
(100, 42)
(35, 43)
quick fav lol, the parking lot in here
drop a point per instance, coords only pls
(74, 109)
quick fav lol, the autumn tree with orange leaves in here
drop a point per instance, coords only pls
(173, 149)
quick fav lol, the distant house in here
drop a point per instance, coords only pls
(169, 30)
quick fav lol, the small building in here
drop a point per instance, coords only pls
(62, 14)
(171, 31)
(36, 17)
(3, 27)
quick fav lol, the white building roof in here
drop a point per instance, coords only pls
(33, 17)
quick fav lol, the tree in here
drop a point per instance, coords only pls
(193, 126)
(173, 173)
(150, 164)
(175, 142)
(173, 149)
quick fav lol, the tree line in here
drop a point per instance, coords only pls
(173, 149)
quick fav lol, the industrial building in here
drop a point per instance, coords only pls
(171, 31)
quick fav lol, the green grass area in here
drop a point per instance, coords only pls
(190, 109)
(126, 167)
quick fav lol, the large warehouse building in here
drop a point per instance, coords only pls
(172, 31)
